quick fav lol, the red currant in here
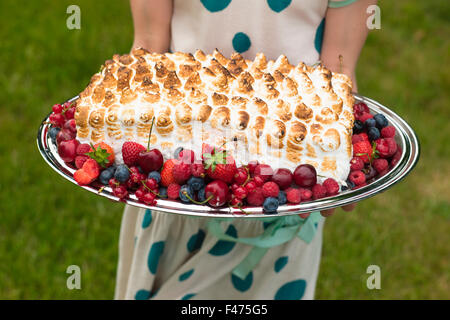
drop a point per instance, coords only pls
(259, 181)
(252, 166)
(57, 108)
(240, 193)
(120, 191)
(241, 176)
(149, 198)
(250, 186)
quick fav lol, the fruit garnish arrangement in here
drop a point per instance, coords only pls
(213, 177)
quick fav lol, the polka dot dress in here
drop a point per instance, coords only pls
(169, 256)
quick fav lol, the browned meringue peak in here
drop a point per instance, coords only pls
(281, 112)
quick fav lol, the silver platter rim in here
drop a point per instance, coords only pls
(405, 137)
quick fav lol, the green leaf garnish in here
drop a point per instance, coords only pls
(100, 155)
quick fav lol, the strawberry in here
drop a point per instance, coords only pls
(88, 172)
(166, 173)
(102, 153)
(130, 152)
(206, 148)
(82, 177)
(92, 168)
(83, 148)
(220, 166)
(80, 160)
(364, 150)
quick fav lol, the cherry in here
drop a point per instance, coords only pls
(282, 177)
(264, 171)
(57, 119)
(68, 150)
(71, 125)
(252, 166)
(64, 135)
(57, 108)
(219, 192)
(70, 113)
(151, 160)
(305, 175)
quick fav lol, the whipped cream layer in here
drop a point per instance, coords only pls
(270, 111)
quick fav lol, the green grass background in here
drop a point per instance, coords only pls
(47, 224)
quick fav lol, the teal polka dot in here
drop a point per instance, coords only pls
(147, 219)
(215, 5)
(278, 5)
(143, 295)
(318, 39)
(280, 263)
(186, 275)
(241, 42)
(242, 285)
(223, 247)
(188, 296)
(153, 257)
(293, 290)
(196, 240)
(316, 225)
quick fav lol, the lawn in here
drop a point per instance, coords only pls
(48, 224)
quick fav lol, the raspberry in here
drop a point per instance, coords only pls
(270, 189)
(259, 181)
(331, 186)
(392, 146)
(357, 177)
(382, 147)
(356, 138)
(360, 108)
(198, 170)
(255, 197)
(181, 172)
(363, 117)
(305, 194)
(359, 186)
(80, 160)
(363, 150)
(380, 164)
(293, 195)
(319, 191)
(356, 164)
(83, 148)
(173, 191)
(396, 157)
(382, 173)
(388, 132)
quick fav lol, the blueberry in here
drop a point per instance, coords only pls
(122, 174)
(53, 132)
(105, 175)
(177, 152)
(162, 192)
(201, 195)
(358, 127)
(270, 204)
(112, 169)
(373, 133)
(369, 123)
(270, 212)
(381, 121)
(186, 189)
(282, 198)
(155, 175)
(196, 183)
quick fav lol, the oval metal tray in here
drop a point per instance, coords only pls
(405, 137)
